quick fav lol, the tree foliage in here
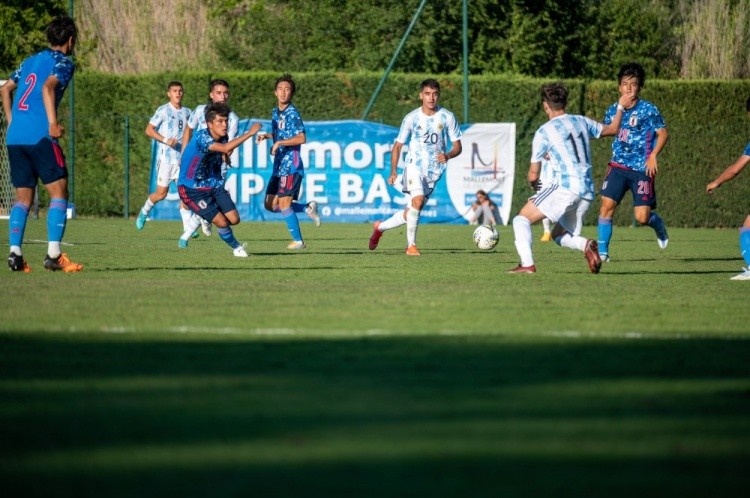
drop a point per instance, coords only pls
(22, 26)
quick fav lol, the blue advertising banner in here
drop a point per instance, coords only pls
(347, 165)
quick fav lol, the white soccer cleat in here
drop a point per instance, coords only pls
(240, 251)
(312, 212)
(297, 245)
(745, 275)
(206, 227)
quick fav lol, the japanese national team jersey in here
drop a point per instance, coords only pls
(200, 168)
(564, 143)
(747, 150)
(287, 124)
(170, 123)
(637, 135)
(29, 119)
(427, 137)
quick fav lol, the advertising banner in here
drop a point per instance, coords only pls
(347, 165)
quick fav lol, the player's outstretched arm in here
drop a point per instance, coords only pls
(732, 170)
(228, 147)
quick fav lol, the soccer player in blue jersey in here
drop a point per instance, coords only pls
(33, 151)
(167, 127)
(563, 144)
(429, 130)
(633, 166)
(218, 91)
(288, 135)
(730, 172)
(201, 183)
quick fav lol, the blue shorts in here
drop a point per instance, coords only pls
(207, 203)
(285, 186)
(30, 163)
(619, 180)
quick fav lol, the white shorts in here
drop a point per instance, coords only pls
(414, 184)
(563, 207)
(166, 172)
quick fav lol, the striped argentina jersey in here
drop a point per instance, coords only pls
(170, 123)
(564, 142)
(427, 137)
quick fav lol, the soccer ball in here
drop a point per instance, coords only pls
(486, 237)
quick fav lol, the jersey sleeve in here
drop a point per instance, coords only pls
(594, 128)
(609, 115)
(157, 118)
(405, 131)
(538, 147)
(454, 132)
(63, 71)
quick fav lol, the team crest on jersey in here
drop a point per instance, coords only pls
(202, 204)
(282, 123)
(633, 121)
(440, 126)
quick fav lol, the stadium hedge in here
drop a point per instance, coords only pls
(706, 119)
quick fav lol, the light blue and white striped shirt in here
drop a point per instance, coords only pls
(564, 142)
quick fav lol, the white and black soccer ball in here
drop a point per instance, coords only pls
(486, 237)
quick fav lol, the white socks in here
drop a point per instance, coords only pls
(522, 231)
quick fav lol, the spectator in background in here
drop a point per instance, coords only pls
(485, 211)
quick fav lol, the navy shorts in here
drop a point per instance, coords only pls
(30, 163)
(207, 203)
(285, 186)
(619, 180)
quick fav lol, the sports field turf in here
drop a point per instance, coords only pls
(344, 372)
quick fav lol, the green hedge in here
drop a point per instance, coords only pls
(707, 123)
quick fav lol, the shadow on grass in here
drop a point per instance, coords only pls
(445, 416)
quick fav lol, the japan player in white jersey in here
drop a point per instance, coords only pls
(563, 141)
(429, 130)
(218, 91)
(167, 126)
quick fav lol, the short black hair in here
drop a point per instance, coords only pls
(747, 104)
(632, 70)
(555, 95)
(214, 109)
(60, 30)
(430, 82)
(173, 83)
(288, 78)
(216, 82)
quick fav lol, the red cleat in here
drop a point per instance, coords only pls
(591, 253)
(375, 237)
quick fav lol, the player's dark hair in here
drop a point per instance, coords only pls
(430, 82)
(214, 83)
(173, 83)
(747, 104)
(288, 78)
(214, 109)
(60, 30)
(632, 70)
(555, 95)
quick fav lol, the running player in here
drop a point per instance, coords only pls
(429, 130)
(201, 184)
(167, 127)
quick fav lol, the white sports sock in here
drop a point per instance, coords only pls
(575, 242)
(191, 225)
(412, 222)
(522, 231)
(394, 221)
(186, 216)
(53, 249)
(16, 250)
(147, 206)
(546, 225)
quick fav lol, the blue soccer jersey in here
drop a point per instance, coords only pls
(200, 168)
(427, 137)
(636, 138)
(29, 119)
(564, 143)
(287, 124)
(747, 150)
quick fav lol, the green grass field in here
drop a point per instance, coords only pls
(344, 372)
